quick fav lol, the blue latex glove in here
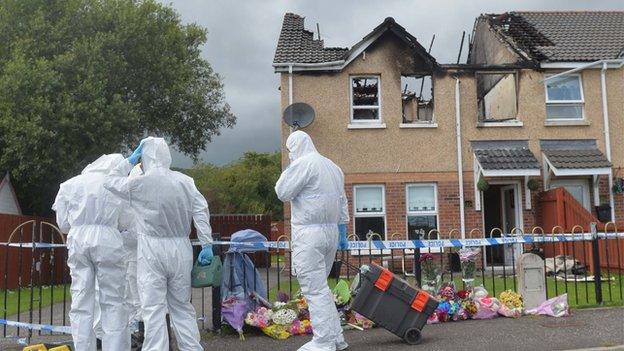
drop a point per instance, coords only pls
(343, 243)
(136, 155)
(205, 255)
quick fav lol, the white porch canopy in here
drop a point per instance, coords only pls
(503, 158)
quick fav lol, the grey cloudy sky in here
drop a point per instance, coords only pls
(242, 36)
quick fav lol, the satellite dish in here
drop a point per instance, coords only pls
(298, 115)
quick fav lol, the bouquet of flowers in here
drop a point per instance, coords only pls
(359, 320)
(468, 258)
(284, 316)
(430, 276)
(299, 327)
(443, 311)
(447, 292)
(433, 319)
(555, 307)
(470, 307)
(511, 304)
(277, 331)
(463, 295)
(260, 318)
(487, 307)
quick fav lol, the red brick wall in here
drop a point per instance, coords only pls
(448, 201)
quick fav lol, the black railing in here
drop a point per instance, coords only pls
(587, 267)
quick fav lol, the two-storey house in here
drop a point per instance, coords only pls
(465, 148)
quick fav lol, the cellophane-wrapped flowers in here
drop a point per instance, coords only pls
(511, 304)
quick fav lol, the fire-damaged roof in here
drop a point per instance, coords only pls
(562, 36)
(574, 154)
(504, 155)
(297, 45)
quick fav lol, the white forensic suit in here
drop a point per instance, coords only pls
(131, 293)
(165, 203)
(314, 185)
(90, 214)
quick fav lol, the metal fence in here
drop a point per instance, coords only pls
(591, 271)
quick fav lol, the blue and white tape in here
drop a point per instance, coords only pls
(33, 326)
(399, 244)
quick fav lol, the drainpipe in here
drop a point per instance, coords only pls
(290, 88)
(605, 116)
(460, 168)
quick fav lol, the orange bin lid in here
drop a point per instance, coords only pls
(420, 301)
(384, 280)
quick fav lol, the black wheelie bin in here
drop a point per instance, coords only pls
(393, 303)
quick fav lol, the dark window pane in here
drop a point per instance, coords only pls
(419, 226)
(365, 91)
(564, 111)
(365, 114)
(364, 224)
(564, 88)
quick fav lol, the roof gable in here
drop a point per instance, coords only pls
(8, 199)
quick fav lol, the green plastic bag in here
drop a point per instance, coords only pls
(342, 292)
(210, 275)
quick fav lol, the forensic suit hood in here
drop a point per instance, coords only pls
(155, 154)
(314, 185)
(165, 204)
(90, 214)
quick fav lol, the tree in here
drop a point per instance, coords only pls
(245, 186)
(79, 78)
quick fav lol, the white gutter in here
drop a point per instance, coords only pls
(460, 168)
(605, 116)
(618, 63)
(294, 66)
(613, 63)
(319, 64)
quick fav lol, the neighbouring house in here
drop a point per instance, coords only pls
(465, 148)
(8, 198)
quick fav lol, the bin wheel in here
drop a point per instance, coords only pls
(412, 336)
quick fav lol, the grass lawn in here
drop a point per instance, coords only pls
(585, 291)
(24, 297)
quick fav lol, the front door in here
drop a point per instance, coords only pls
(510, 207)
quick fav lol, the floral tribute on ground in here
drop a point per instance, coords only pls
(287, 317)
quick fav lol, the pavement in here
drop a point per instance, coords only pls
(586, 329)
(589, 328)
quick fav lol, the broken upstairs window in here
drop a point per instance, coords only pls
(365, 99)
(497, 96)
(417, 99)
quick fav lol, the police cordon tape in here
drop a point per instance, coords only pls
(32, 326)
(423, 244)
(392, 244)
(353, 245)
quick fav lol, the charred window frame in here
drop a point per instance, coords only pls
(417, 99)
(497, 96)
(365, 99)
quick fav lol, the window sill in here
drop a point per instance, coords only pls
(366, 126)
(418, 125)
(567, 123)
(515, 123)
